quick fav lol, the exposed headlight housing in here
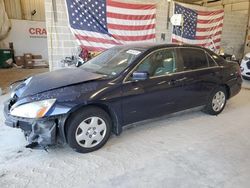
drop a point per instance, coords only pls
(36, 109)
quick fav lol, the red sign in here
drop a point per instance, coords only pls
(37, 31)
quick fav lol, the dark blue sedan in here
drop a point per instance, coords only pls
(125, 84)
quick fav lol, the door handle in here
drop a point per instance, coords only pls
(171, 82)
(175, 81)
(181, 79)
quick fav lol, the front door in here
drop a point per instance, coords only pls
(158, 95)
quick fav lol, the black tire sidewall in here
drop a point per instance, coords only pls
(77, 118)
(209, 107)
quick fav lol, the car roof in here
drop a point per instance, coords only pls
(156, 45)
(148, 46)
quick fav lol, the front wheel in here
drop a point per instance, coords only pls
(88, 129)
(216, 102)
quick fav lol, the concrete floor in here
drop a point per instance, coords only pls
(192, 149)
(246, 84)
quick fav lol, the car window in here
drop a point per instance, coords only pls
(112, 62)
(159, 63)
(211, 61)
(218, 59)
(193, 59)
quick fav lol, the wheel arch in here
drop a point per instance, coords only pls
(116, 127)
(227, 90)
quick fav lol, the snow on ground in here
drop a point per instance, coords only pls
(191, 149)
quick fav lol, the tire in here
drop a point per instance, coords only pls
(215, 106)
(88, 129)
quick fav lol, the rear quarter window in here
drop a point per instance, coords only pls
(218, 59)
(211, 61)
(193, 58)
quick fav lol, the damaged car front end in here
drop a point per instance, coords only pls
(41, 113)
(36, 131)
(33, 118)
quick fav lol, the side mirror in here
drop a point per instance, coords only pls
(143, 75)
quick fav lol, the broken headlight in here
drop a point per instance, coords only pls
(36, 109)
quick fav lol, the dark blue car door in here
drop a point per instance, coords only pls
(201, 73)
(158, 95)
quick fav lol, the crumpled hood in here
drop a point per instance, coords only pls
(55, 79)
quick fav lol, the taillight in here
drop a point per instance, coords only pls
(239, 71)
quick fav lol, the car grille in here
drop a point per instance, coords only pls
(248, 64)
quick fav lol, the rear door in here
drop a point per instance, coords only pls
(201, 74)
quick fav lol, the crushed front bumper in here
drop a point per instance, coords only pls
(44, 131)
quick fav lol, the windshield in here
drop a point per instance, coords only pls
(112, 62)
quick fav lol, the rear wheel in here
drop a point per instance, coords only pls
(88, 129)
(216, 102)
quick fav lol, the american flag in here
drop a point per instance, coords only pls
(201, 26)
(102, 24)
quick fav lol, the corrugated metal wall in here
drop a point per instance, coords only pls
(22, 9)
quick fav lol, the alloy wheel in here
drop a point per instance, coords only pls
(218, 101)
(90, 132)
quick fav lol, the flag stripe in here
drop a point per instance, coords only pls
(208, 36)
(134, 38)
(208, 21)
(206, 33)
(131, 27)
(205, 25)
(96, 39)
(210, 17)
(130, 22)
(210, 13)
(130, 17)
(190, 41)
(216, 43)
(93, 34)
(130, 5)
(97, 44)
(209, 28)
(93, 48)
(132, 32)
(130, 11)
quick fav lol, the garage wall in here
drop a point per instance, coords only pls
(234, 32)
(61, 43)
(33, 40)
(235, 25)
